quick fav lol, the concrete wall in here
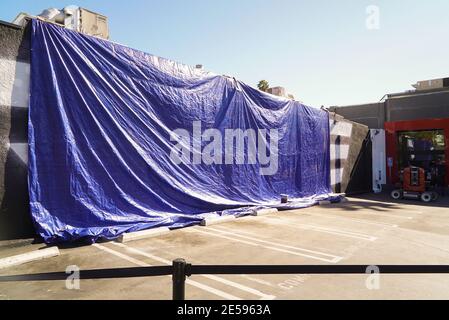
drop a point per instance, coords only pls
(346, 141)
(15, 220)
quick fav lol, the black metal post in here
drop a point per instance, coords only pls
(179, 279)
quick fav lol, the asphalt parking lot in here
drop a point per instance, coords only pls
(368, 230)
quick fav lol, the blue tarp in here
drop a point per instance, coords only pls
(108, 150)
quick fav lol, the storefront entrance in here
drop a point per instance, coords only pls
(421, 143)
(424, 149)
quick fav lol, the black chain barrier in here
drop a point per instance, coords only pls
(180, 270)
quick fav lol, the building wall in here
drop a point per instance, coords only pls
(371, 115)
(408, 106)
(15, 220)
(409, 111)
(431, 105)
(421, 111)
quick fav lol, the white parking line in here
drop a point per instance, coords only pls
(204, 287)
(121, 255)
(257, 280)
(384, 215)
(263, 296)
(271, 245)
(338, 232)
(394, 205)
(381, 224)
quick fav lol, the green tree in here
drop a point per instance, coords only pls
(263, 85)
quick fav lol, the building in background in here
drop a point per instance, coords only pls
(72, 17)
(416, 128)
(280, 92)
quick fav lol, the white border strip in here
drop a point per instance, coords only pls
(14, 83)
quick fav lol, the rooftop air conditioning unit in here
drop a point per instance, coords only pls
(432, 84)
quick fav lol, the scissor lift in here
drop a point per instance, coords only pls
(414, 186)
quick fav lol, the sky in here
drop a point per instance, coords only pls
(324, 52)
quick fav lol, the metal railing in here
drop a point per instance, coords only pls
(180, 270)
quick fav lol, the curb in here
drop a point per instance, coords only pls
(144, 234)
(28, 257)
(264, 212)
(211, 221)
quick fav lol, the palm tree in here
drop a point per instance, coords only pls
(263, 85)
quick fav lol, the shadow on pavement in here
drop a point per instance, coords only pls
(383, 202)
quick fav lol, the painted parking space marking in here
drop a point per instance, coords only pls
(344, 233)
(252, 237)
(121, 255)
(380, 224)
(196, 284)
(256, 242)
(227, 282)
(250, 278)
(385, 215)
(259, 281)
